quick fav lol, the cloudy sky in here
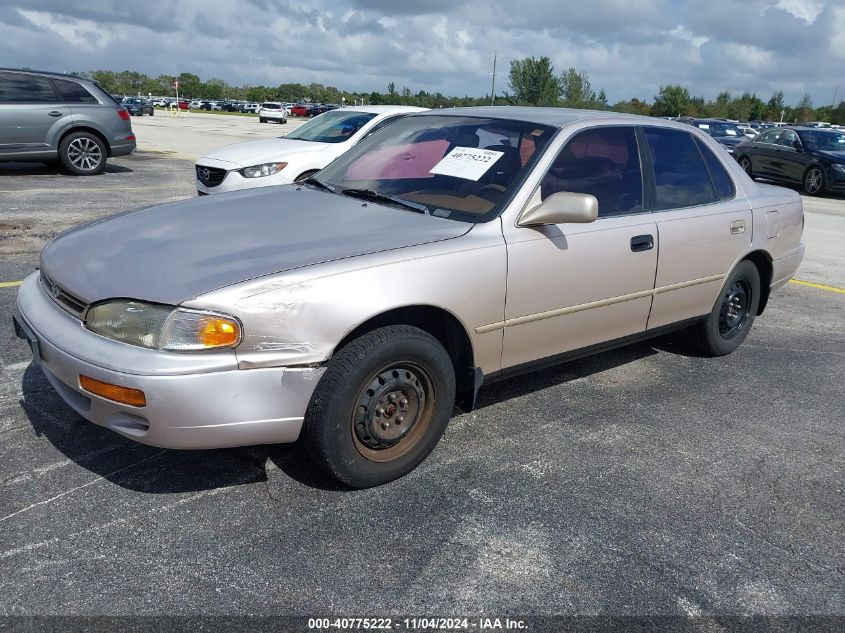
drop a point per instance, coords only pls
(629, 47)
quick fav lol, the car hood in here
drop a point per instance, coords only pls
(263, 151)
(177, 251)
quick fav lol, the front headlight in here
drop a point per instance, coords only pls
(258, 171)
(163, 327)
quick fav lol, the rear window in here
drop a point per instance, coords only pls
(22, 88)
(681, 176)
(73, 92)
(722, 182)
(271, 106)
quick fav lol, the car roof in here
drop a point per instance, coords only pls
(556, 117)
(47, 73)
(382, 109)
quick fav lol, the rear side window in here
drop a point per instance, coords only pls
(722, 182)
(603, 162)
(768, 137)
(681, 177)
(73, 92)
(23, 88)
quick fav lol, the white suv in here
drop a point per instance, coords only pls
(304, 151)
(272, 111)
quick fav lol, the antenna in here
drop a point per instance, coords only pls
(493, 87)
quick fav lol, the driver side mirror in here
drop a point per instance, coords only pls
(563, 207)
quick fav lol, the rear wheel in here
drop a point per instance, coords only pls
(745, 163)
(814, 181)
(381, 406)
(260, 120)
(727, 325)
(83, 154)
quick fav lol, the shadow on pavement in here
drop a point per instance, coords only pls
(162, 471)
(53, 168)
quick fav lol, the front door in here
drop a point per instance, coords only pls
(575, 285)
(29, 108)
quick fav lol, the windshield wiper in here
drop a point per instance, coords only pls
(375, 196)
(317, 183)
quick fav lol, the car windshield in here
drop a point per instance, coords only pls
(720, 129)
(331, 127)
(824, 140)
(462, 168)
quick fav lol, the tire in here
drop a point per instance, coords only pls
(83, 154)
(381, 406)
(727, 325)
(152, 112)
(260, 120)
(813, 181)
(745, 163)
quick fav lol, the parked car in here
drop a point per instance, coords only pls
(813, 158)
(748, 131)
(47, 117)
(280, 161)
(301, 109)
(272, 111)
(161, 103)
(354, 311)
(138, 106)
(723, 131)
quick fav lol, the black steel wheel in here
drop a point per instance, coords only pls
(729, 322)
(381, 406)
(814, 181)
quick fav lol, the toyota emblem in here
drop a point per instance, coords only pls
(55, 290)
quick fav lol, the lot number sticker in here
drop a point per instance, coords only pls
(469, 163)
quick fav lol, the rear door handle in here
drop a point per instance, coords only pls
(737, 227)
(54, 113)
(641, 243)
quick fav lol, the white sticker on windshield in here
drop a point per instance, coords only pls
(704, 126)
(469, 163)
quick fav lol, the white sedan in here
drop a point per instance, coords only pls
(306, 150)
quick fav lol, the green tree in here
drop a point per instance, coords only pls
(533, 81)
(601, 102)
(776, 106)
(673, 100)
(576, 89)
(804, 109)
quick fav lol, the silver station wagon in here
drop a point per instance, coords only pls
(357, 308)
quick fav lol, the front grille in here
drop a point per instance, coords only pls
(210, 176)
(63, 299)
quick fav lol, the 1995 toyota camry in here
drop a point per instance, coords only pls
(357, 308)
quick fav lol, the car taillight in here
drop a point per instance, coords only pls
(123, 113)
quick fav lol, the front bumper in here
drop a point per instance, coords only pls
(191, 402)
(235, 182)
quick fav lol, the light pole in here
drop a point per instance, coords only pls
(493, 86)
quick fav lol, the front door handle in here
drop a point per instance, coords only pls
(737, 227)
(641, 243)
(54, 113)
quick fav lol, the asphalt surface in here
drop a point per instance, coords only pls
(642, 481)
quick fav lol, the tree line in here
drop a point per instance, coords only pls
(531, 81)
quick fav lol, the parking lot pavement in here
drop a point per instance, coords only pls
(641, 481)
(198, 133)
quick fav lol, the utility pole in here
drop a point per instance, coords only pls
(493, 87)
(833, 103)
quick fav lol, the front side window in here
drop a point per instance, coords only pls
(681, 177)
(602, 162)
(332, 127)
(827, 140)
(770, 137)
(462, 168)
(23, 88)
(789, 139)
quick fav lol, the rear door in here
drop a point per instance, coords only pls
(792, 161)
(703, 227)
(764, 154)
(30, 110)
(571, 286)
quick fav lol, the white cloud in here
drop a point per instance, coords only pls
(807, 10)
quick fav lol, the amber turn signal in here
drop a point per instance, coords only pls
(215, 332)
(116, 393)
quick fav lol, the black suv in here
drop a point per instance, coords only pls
(138, 106)
(49, 116)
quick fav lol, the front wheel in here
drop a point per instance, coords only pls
(260, 120)
(727, 325)
(381, 406)
(745, 163)
(814, 181)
